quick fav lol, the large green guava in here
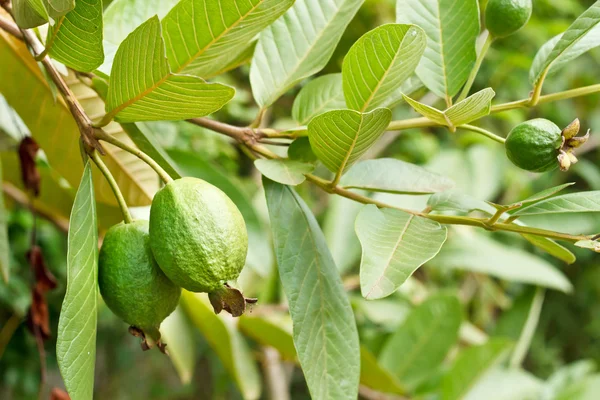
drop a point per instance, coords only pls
(130, 281)
(534, 145)
(197, 235)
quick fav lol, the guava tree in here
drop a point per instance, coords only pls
(83, 152)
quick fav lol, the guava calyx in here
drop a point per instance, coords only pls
(229, 299)
(150, 338)
(570, 141)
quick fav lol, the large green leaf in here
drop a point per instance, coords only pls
(204, 36)
(143, 88)
(480, 254)
(394, 176)
(76, 39)
(76, 341)
(470, 366)
(320, 95)
(288, 172)
(226, 341)
(394, 245)
(260, 255)
(53, 127)
(340, 137)
(568, 203)
(325, 332)
(421, 343)
(29, 13)
(472, 108)
(297, 45)
(452, 27)
(379, 62)
(4, 246)
(176, 332)
(581, 36)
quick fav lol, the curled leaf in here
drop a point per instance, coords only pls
(30, 175)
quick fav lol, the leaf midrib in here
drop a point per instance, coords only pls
(351, 149)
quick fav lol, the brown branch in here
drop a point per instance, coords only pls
(10, 28)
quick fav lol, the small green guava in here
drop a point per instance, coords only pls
(534, 145)
(505, 17)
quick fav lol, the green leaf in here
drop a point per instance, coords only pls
(394, 245)
(340, 137)
(374, 376)
(4, 246)
(270, 330)
(285, 171)
(551, 247)
(320, 95)
(453, 200)
(76, 341)
(176, 332)
(202, 37)
(421, 343)
(338, 227)
(300, 150)
(394, 176)
(568, 203)
(564, 378)
(260, 257)
(474, 107)
(298, 45)
(51, 124)
(76, 39)
(584, 389)
(12, 127)
(544, 194)
(479, 254)
(581, 36)
(452, 27)
(593, 245)
(229, 345)
(379, 62)
(470, 366)
(137, 93)
(506, 384)
(58, 8)
(29, 13)
(325, 332)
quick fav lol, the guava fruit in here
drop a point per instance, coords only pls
(131, 283)
(534, 145)
(197, 235)
(505, 17)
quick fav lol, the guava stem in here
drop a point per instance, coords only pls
(101, 135)
(484, 132)
(113, 185)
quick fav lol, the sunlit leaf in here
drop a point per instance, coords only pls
(340, 137)
(76, 39)
(394, 245)
(137, 93)
(581, 36)
(544, 194)
(551, 247)
(506, 384)
(76, 341)
(288, 172)
(417, 348)
(297, 45)
(379, 62)
(270, 330)
(320, 95)
(452, 27)
(568, 203)
(325, 332)
(394, 176)
(229, 345)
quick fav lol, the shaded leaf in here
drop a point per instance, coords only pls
(297, 45)
(551, 247)
(270, 330)
(452, 28)
(320, 95)
(479, 254)
(226, 341)
(417, 348)
(76, 341)
(394, 176)
(76, 39)
(325, 332)
(204, 37)
(176, 333)
(379, 62)
(338, 228)
(285, 171)
(567, 376)
(470, 366)
(453, 200)
(568, 203)
(143, 136)
(394, 245)
(29, 13)
(58, 8)
(137, 93)
(573, 42)
(300, 150)
(4, 246)
(340, 137)
(373, 375)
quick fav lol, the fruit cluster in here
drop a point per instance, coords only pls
(196, 239)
